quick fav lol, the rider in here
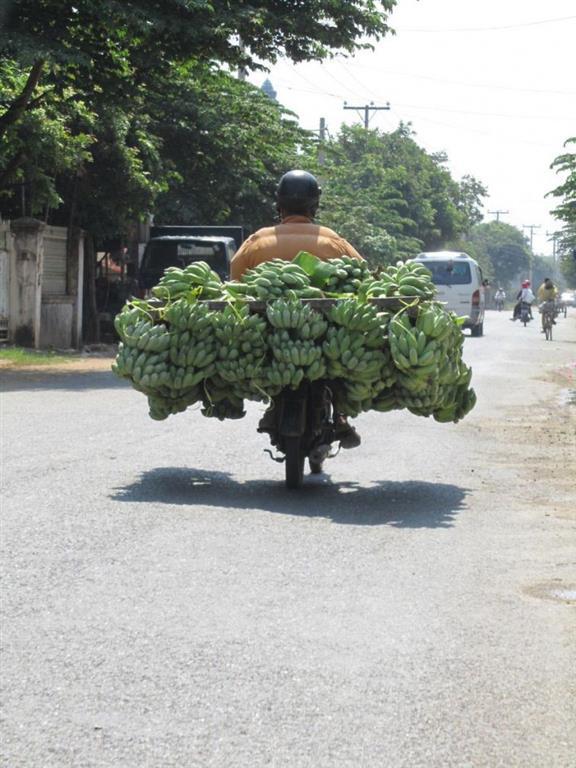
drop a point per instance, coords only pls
(547, 292)
(500, 296)
(297, 200)
(524, 296)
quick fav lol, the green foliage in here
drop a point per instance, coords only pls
(227, 143)
(108, 31)
(469, 201)
(387, 195)
(43, 144)
(566, 213)
(106, 105)
(504, 246)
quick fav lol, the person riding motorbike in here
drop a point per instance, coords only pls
(297, 200)
(547, 293)
(524, 296)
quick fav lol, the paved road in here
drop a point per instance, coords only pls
(167, 603)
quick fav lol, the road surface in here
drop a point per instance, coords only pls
(168, 604)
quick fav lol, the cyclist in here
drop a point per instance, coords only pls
(547, 297)
(499, 298)
(297, 200)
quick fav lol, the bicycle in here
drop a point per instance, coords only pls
(548, 311)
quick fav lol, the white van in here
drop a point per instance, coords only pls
(458, 280)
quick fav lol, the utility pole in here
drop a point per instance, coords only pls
(322, 136)
(531, 227)
(554, 237)
(498, 214)
(367, 108)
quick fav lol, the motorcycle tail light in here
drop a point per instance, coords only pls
(476, 298)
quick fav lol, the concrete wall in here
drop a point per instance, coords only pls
(57, 322)
(45, 280)
(5, 248)
(26, 263)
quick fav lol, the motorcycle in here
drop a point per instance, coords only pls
(525, 313)
(301, 425)
(499, 303)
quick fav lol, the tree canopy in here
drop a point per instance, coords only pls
(108, 108)
(390, 197)
(565, 212)
(505, 247)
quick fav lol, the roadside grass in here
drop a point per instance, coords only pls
(21, 357)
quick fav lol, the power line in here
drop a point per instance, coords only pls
(522, 25)
(504, 115)
(464, 84)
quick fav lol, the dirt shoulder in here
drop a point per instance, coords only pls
(88, 361)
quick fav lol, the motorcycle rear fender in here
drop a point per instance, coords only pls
(292, 421)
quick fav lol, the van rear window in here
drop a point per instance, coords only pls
(449, 272)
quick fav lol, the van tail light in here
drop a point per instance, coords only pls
(476, 298)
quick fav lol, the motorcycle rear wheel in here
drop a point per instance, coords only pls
(294, 464)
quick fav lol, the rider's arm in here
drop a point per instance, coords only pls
(242, 259)
(349, 250)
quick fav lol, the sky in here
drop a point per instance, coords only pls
(489, 82)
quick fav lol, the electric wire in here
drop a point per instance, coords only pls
(499, 28)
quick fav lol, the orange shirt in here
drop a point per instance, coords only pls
(285, 240)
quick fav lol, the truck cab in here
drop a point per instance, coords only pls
(179, 251)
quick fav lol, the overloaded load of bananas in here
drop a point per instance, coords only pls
(179, 352)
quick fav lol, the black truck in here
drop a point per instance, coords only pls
(178, 246)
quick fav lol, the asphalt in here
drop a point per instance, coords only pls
(167, 603)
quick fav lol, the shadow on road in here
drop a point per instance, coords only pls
(24, 381)
(410, 504)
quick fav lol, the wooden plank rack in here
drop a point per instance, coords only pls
(391, 303)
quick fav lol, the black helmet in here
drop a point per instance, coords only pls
(298, 192)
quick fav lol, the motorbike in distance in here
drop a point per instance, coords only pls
(525, 313)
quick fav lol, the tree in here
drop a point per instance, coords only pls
(386, 194)
(105, 55)
(506, 248)
(227, 144)
(469, 201)
(566, 213)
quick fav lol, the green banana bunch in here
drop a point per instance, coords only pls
(304, 321)
(243, 350)
(361, 317)
(406, 279)
(197, 279)
(348, 357)
(413, 351)
(220, 401)
(282, 374)
(463, 402)
(162, 407)
(344, 275)
(277, 278)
